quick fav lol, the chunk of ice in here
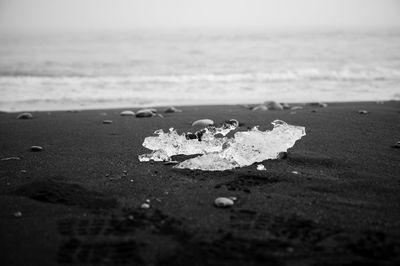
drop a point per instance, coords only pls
(219, 154)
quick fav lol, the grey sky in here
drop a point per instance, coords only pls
(120, 14)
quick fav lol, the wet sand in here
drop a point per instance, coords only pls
(333, 200)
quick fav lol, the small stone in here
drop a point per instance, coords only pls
(25, 116)
(222, 202)
(261, 167)
(272, 105)
(363, 112)
(203, 123)
(131, 180)
(397, 145)
(36, 148)
(147, 201)
(313, 111)
(285, 105)
(17, 214)
(260, 108)
(107, 122)
(295, 172)
(319, 104)
(297, 107)
(146, 113)
(103, 114)
(171, 162)
(172, 109)
(145, 206)
(233, 198)
(232, 122)
(11, 158)
(127, 113)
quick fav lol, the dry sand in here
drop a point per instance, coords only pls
(78, 201)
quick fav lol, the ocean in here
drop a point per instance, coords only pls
(83, 70)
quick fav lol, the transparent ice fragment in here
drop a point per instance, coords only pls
(219, 154)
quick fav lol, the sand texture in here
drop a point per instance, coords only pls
(334, 199)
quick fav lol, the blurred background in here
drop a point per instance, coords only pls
(80, 54)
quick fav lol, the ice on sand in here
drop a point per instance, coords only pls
(222, 153)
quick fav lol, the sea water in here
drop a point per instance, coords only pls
(55, 71)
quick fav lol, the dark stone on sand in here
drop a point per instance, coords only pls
(107, 122)
(319, 104)
(25, 116)
(397, 145)
(285, 105)
(146, 113)
(127, 113)
(172, 109)
(49, 191)
(36, 148)
(232, 122)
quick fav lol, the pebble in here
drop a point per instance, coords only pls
(222, 202)
(171, 162)
(232, 122)
(363, 112)
(36, 148)
(319, 104)
(17, 214)
(172, 109)
(273, 105)
(145, 206)
(107, 122)
(127, 113)
(233, 198)
(261, 167)
(203, 123)
(11, 158)
(295, 172)
(397, 145)
(313, 111)
(260, 108)
(285, 105)
(103, 114)
(297, 107)
(146, 113)
(25, 116)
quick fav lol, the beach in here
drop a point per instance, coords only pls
(334, 199)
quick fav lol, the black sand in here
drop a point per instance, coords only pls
(79, 199)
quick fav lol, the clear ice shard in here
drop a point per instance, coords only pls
(218, 154)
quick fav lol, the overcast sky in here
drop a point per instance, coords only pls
(120, 14)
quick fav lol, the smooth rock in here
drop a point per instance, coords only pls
(232, 122)
(17, 214)
(297, 107)
(146, 113)
(203, 123)
(36, 148)
(261, 167)
(272, 105)
(107, 121)
(319, 104)
(172, 109)
(25, 116)
(285, 105)
(363, 112)
(222, 202)
(145, 206)
(11, 158)
(397, 145)
(260, 108)
(127, 113)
